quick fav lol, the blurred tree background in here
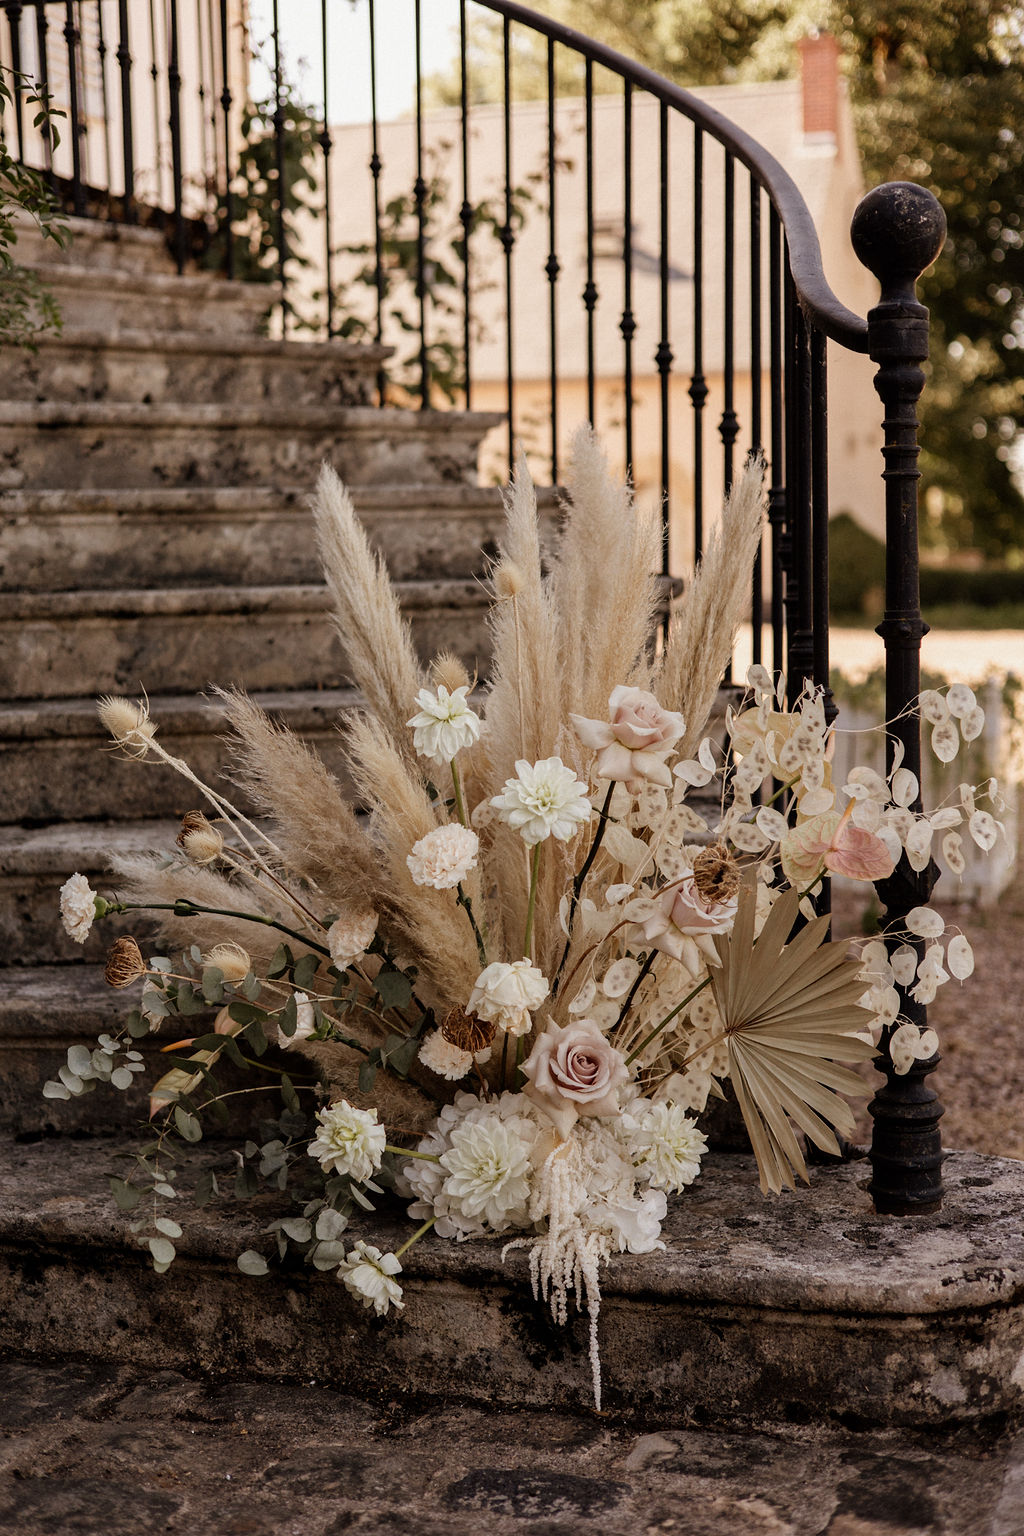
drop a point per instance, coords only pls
(938, 93)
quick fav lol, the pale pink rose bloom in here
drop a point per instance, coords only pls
(683, 913)
(832, 842)
(633, 744)
(574, 1071)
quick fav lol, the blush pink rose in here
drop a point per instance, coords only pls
(633, 744)
(684, 913)
(573, 1071)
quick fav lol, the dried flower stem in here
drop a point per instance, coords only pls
(656, 1031)
(232, 855)
(420, 1232)
(464, 902)
(645, 970)
(532, 903)
(460, 804)
(577, 884)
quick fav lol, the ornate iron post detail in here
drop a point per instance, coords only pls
(897, 232)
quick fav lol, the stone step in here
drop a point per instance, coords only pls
(56, 763)
(804, 1309)
(114, 299)
(151, 366)
(111, 445)
(179, 640)
(46, 1009)
(57, 540)
(97, 245)
(34, 864)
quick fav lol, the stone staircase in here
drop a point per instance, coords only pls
(155, 463)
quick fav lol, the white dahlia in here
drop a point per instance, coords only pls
(545, 799)
(367, 1273)
(665, 1144)
(488, 1163)
(348, 1140)
(445, 723)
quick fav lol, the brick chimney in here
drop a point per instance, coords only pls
(819, 71)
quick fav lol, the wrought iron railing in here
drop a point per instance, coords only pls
(156, 98)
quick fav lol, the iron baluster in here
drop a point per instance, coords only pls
(225, 106)
(777, 484)
(174, 88)
(282, 171)
(898, 231)
(698, 384)
(507, 237)
(467, 218)
(75, 125)
(627, 324)
(14, 28)
(728, 427)
(324, 140)
(101, 50)
(663, 356)
(46, 132)
(799, 648)
(590, 288)
(552, 267)
(154, 75)
(124, 64)
(420, 197)
(375, 173)
(756, 427)
(819, 517)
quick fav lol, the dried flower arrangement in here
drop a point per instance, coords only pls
(566, 919)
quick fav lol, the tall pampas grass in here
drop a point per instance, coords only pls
(367, 617)
(701, 639)
(320, 837)
(603, 583)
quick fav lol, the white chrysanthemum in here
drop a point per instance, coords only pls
(441, 1056)
(349, 937)
(425, 1182)
(488, 1165)
(444, 857)
(305, 1025)
(77, 907)
(506, 994)
(665, 1145)
(545, 799)
(367, 1273)
(445, 723)
(348, 1140)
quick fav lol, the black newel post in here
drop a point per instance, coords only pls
(898, 231)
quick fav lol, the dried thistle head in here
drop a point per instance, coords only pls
(449, 671)
(507, 580)
(128, 723)
(716, 873)
(124, 963)
(199, 838)
(468, 1032)
(233, 962)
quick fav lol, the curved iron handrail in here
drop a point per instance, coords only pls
(819, 303)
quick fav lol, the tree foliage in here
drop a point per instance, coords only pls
(27, 308)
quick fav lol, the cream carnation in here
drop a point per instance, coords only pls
(665, 1144)
(574, 1071)
(488, 1166)
(632, 745)
(367, 1273)
(507, 995)
(350, 936)
(443, 1057)
(545, 799)
(444, 857)
(77, 907)
(445, 723)
(348, 1140)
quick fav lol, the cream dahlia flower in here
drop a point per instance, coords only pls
(545, 799)
(348, 1140)
(445, 723)
(367, 1273)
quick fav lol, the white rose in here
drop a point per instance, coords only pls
(507, 994)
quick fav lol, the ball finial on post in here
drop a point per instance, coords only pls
(897, 232)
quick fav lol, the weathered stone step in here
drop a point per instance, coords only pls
(112, 445)
(96, 244)
(56, 763)
(34, 864)
(807, 1308)
(151, 366)
(56, 540)
(116, 299)
(46, 1009)
(179, 640)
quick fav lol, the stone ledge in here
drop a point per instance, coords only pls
(807, 1307)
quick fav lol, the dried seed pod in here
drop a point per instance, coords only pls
(468, 1032)
(124, 963)
(716, 873)
(199, 839)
